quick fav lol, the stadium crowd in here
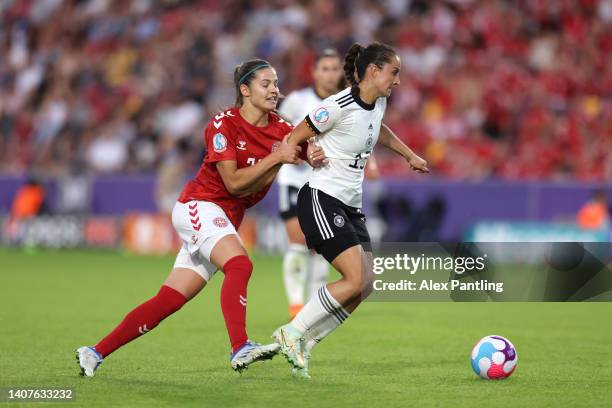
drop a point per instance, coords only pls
(508, 89)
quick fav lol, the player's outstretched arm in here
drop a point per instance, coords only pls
(303, 135)
(391, 141)
(300, 134)
(261, 182)
(241, 182)
(315, 157)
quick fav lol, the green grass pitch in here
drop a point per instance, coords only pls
(387, 354)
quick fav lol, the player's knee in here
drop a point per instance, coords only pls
(240, 264)
(360, 283)
(355, 283)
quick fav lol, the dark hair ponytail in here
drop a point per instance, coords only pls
(358, 58)
(244, 74)
(349, 63)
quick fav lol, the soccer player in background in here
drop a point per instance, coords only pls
(244, 151)
(304, 271)
(347, 125)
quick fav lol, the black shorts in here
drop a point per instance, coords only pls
(287, 201)
(329, 225)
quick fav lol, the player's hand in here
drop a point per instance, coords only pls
(288, 154)
(417, 164)
(316, 155)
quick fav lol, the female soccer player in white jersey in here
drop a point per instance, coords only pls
(347, 125)
(304, 271)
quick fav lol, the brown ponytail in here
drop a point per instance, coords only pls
(350, 62)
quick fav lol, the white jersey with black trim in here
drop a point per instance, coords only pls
(295, 106)
(347, 129)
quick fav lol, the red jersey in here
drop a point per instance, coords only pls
(229, 137)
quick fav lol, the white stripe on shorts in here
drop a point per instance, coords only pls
(324, 223)
(316, 215)
(322, 229)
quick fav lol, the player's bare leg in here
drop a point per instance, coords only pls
(186, 281)
(355, 266)
(230, 256)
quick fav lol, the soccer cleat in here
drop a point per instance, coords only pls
(88, 360)
(302, 372)
(251, 352)
(291, 345)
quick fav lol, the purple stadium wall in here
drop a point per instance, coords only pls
(465, 202)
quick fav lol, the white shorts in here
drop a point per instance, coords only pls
(200, 225)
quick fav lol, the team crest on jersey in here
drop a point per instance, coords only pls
(339, 221)
(275, 146)
(220, 222)
(219, 143)
(241, 145)
(321, 115)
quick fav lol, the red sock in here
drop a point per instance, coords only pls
(234, 297)
(142, 319)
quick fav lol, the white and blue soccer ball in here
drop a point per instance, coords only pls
(494, 357)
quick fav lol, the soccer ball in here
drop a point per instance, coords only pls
(494, 357)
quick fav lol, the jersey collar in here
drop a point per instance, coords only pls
(244, 121)
(360, 102)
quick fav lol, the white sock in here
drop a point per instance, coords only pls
(317, 309)
(316, 334)
(316, 274)
(294, 273)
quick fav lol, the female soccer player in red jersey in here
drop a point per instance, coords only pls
(245, 150)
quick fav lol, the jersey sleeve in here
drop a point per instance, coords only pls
(220, 143)
(324, 117)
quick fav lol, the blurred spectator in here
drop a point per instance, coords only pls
(108, 151)
(594, 214)
(508, 89)
(29, 200)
